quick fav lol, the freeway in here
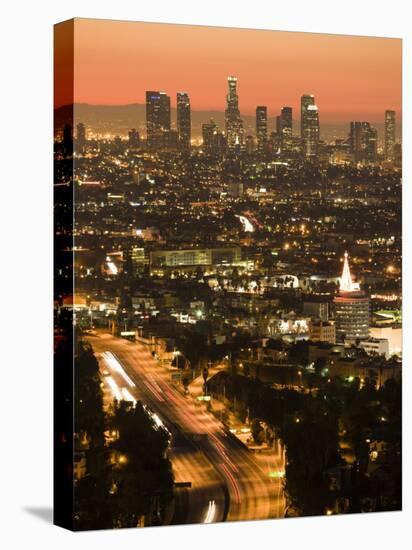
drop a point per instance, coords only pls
(228, 482)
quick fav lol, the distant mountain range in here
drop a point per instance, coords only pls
(119, 119)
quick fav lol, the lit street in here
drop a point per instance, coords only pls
(202, 451)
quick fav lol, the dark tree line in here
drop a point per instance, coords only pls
(128, 475)
(312, 426)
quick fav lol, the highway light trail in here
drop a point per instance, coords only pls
(211, 512)
(222, 451)
(153, 390)
(232, 482)
(128, 396)
(115, 388)
(165, 403)
(116, 366)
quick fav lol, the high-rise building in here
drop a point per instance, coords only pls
(80, 138)
(390, 137)
(286, 128)
(171, 140)
(208, 131)
(134, 139)
(157, 118)
(363, 140)
(351, 308)
(305, 101)
(371, 145)
(250, 145)
(274, 142)
(261, 127)
(183, 120)
(311, 131)
(234, 124)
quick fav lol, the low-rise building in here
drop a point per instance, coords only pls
(321, 331)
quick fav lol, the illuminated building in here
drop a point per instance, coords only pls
(390, 122)
(195, 256)
(208, 131)
(286, 128)
(137, 256)
(363, 141)
(250, 145)
(157, 118)
(171, 140)
(134, 139)
(234, 124)
(371, 148)
(213, 139)
(80, 138)
(351, 308)
(376, 346)
(235, 189)
(274, 143)
(311, 131)
(183, 120)
(305, 101)
(321, 331)
(261, 127)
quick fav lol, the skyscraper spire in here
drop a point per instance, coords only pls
(346, 283)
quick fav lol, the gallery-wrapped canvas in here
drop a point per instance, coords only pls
(228, 299)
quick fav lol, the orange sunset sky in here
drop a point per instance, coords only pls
(115, 62)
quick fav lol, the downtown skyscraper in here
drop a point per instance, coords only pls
(363, 140)
(233, 122)
(157, 118)
(261, 127)
(309, 125)
(390, 134)
(286, 128)
(183, 120)
(305, 101)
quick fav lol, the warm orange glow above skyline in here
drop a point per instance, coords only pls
(351, 77)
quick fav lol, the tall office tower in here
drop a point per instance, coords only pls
(371, 145)
(250, 145)
(351, 308)
(363, 140)
(183, 120)
(208, 132)
(311, 131)
(261, 127)
(390, 138)
(157, 118)
(234, 124)
(80, 138)
(305, 101)
(134, 139)
(286, 128)
(274, 142)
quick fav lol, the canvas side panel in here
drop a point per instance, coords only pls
(63, 275)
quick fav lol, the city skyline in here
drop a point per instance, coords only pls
(350, 76)
(163, 132)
